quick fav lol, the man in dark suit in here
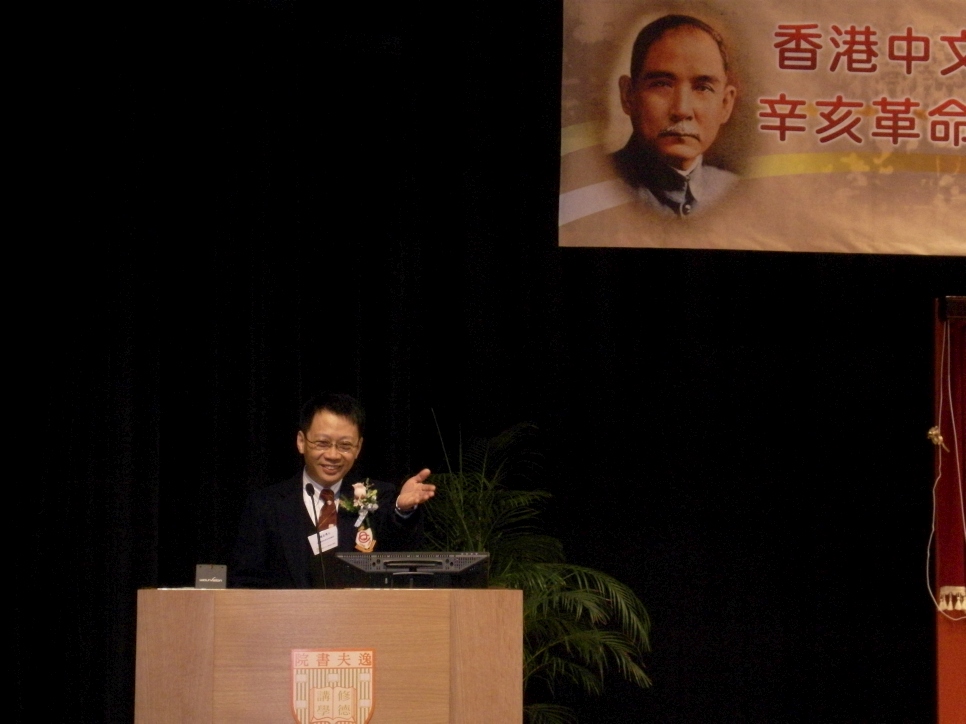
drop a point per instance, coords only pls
(677, 96)
(327, 507)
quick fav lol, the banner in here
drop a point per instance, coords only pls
(780, 125)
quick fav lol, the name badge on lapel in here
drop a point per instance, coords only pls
(329, 538)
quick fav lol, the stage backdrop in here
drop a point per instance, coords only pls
(848, 134)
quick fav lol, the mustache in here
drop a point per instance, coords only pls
(681, 130)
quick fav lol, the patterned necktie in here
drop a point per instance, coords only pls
(327, 518)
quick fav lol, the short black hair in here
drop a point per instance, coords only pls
(337, 403)
(652, 32)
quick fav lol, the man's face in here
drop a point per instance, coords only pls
(330, 447)
(680, 97)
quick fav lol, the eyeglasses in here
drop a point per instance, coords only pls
(343, 446)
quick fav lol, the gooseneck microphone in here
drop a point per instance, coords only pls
(310, 489)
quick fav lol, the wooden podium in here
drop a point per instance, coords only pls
(440, 656)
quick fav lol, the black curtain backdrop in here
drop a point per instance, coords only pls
(245, 203)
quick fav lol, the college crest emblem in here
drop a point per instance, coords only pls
(332, 686)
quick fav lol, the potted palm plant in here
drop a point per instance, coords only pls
(579, 623)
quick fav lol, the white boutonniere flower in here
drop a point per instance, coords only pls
(363, 501)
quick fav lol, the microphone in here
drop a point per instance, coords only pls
(310, 489)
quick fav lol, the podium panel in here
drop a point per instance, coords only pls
(438, 655)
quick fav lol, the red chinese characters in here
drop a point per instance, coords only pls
(895, 119)
(857, 47)
(954, 41)
(840, 119)
(893, 114)
(948, 122)
(797, 49)
(783, 110)
(909, 49)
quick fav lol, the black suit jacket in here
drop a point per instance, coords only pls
(272, 548)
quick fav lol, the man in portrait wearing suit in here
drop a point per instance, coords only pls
(325, 507)
(677, 96)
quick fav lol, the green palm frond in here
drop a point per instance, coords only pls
(549, 714)
(579, 623)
